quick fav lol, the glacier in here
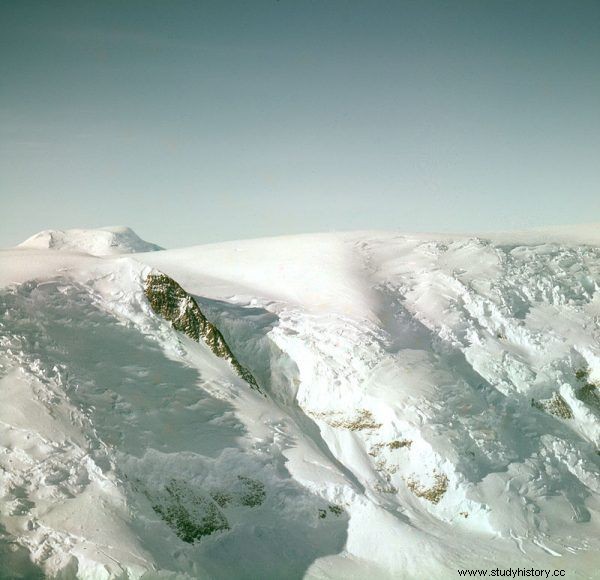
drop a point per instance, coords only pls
(427, 403)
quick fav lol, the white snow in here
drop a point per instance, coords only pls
(98, 242)
(399, 369)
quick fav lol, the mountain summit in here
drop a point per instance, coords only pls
(97, 242)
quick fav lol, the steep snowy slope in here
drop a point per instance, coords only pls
(431, 404)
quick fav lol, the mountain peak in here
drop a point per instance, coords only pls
(98, 242)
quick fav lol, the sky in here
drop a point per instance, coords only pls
(196, 122)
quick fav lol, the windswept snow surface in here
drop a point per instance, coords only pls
(431, 406)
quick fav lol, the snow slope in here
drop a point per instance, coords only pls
(431, 405)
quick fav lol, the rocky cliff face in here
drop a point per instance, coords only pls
(169, 300)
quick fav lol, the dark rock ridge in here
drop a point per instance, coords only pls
(169, 300)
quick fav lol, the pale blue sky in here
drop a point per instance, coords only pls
(201, 121)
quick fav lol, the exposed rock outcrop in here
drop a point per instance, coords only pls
(169, 300)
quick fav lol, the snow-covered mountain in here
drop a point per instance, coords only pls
(421, 404)
(99, 242)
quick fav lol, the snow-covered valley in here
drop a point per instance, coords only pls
(425, 403)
